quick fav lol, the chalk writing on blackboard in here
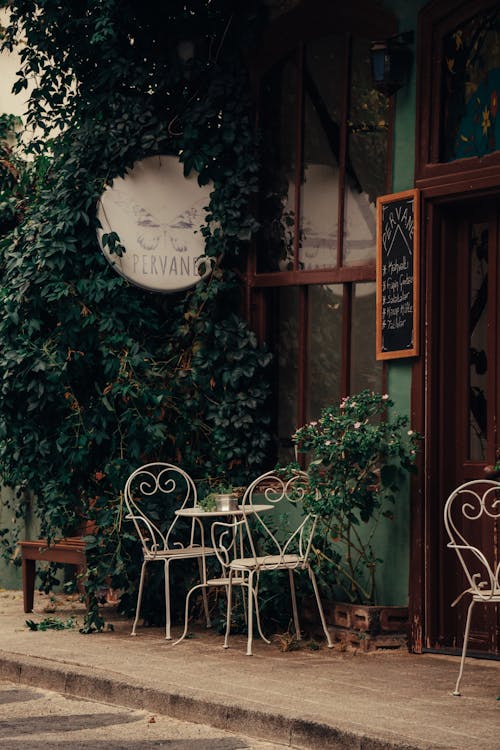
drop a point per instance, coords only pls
(396, 276)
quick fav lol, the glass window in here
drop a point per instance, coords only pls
(366, 165)
(324, 347)
(366, 371)
(325, 133)
(471, 85)
(322, 132)
(278, 120)
(288, 363)
(325, 146)
(478, 348)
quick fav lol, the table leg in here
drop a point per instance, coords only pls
(186, 611)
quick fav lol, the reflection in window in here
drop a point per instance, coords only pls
(339, 158)
(366, 158)
(287, 355)
(366, 371)
(471, 85)
(324, 155)
(320, 179)
(478, 348)
(325, 347)
(277, 199)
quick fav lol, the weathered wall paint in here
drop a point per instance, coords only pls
(394, 538)
(10, 576)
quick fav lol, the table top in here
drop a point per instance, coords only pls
(198, 512)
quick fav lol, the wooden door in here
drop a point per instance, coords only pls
(468, 399)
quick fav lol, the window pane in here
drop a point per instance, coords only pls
(366, 159)
(471, 82)
(478, 327)
(278, 119)
(325, 347)
(319, 195)
(288, 337)
(366, 371)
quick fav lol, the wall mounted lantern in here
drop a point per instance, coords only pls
(391, 62)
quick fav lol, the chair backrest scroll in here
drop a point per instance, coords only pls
(473, 503)
(152, 493)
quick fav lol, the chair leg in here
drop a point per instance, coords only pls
(139, 598)
(294, 604)
(320, 606)
(257, 612)
(229, 607)
(204, 594)
(168, 622)
(251, 595)
(243, 593)
(244, 604)
(464, 648)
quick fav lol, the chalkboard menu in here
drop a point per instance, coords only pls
(397, 275)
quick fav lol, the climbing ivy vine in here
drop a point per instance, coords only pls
(98, 376)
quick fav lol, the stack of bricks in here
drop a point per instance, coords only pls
(369, 627)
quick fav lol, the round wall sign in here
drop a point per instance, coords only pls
(157, 214)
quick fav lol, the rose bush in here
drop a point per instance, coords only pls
(358, 460)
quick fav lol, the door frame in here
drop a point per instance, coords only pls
(426, 528)
(440, 185)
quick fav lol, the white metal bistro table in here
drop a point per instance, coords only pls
(223, 580)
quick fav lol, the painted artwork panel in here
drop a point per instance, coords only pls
(470, 124)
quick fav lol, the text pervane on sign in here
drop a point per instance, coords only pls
(397, 275)
(157, 214)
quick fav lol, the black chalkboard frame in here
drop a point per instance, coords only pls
(411, 199)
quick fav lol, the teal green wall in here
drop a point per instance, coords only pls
(404, 125)
(394, 537)
(10, 572)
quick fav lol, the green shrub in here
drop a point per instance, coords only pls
(98, 376)
(359, 456)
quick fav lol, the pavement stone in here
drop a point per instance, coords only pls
(41, 719)
(330, 699)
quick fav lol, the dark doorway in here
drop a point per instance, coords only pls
(465, 400)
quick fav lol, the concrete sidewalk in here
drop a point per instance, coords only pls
(306, 699)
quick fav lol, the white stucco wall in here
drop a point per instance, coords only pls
(9, 102)
(10, 63)
(13, 105)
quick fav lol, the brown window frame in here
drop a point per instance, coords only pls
(436, 20)
(289, 35)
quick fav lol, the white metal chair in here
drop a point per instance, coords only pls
(227, 540)
(287, 545)
(474, 501)
(152, 494)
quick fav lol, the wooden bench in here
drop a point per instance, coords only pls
(69, 551)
